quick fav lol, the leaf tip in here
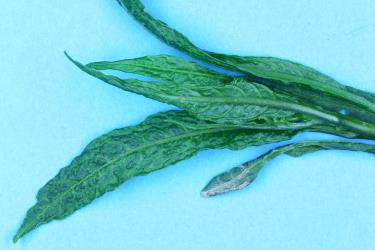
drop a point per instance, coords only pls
(78, 64)
(18, 235)
(27, 226)
(204, 194)
(69, 57)
(208, 192)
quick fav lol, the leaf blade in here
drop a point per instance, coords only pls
(161, 140)
(286, 76)
(168, 35)
(241, 103)
(247, 104)
(165, 68)
(307, 83)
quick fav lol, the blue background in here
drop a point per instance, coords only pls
(49, 111)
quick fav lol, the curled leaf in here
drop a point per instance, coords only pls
(243, 175)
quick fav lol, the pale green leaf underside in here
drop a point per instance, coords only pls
(243, 175)
(163, 139)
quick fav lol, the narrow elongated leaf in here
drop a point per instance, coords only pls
(240, 102)
(286, 76)
(243, 175)
(168, 35)
(176, 69)
(307, 83)
(293, 73)
(280, 69)
(166, 68)
(163, 139)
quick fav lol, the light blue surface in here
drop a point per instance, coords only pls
(49, 111)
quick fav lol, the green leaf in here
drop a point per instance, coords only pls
(243, 175)
(240, 102)
(165, 68)
(108, 161)
(279, 69)
(168, 35)
(306, 83)
(286, 76)
(368, 95)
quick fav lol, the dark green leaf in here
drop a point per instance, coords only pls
(369, 96)
(286, 76)
(168, 35)
(166, 68)
(241, 176)
(163, 139)
(306, 83)
(240, 102)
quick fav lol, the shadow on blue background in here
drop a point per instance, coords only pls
(49, 111)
